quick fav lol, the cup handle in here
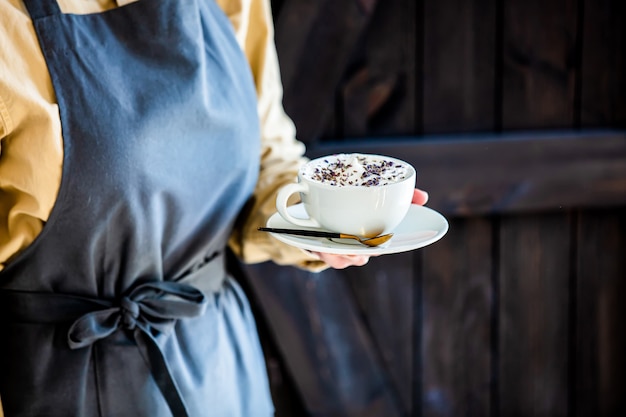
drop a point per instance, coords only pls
(281, 204)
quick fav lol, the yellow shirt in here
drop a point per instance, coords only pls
(31, 146)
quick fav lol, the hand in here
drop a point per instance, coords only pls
(342, 261)
(420, 197)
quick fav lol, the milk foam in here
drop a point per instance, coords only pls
(356, 170)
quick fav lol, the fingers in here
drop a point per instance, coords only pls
(342, 261)
(420, 197)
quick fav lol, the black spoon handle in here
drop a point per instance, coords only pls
(299, 232)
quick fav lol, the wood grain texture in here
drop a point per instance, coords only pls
(384, 292)
(322, 339)
(315, 41)
(459, 41)
(456, 323)
(600, 314)
(534, 277)
(603, 85)
(539, 65)
(378, 95)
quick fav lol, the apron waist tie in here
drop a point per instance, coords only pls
(147, 310)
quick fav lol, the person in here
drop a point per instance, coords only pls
(138, 140)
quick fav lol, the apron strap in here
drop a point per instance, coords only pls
(42, 8)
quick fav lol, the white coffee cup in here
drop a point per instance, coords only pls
(362, 210)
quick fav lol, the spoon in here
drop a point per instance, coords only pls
(372, 242)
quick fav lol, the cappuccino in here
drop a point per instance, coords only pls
(359, 194)
(343, 170)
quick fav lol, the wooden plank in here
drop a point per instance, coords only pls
(384, 292)
(378, 94)
(294, 21)
(456, 333)
(314, 41)
(600, 368)
(459, 65)
(603, 85)
(539, 76)
(321, 337)
(534, 278)
(508, 173)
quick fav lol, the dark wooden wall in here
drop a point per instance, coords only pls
(514, 114)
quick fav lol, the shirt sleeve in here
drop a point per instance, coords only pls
(29, 121)
(281, 153)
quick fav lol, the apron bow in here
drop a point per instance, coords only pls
(149, 309)
(152, 307)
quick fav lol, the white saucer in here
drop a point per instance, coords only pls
(421, 227)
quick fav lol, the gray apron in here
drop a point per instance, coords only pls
(122, 305)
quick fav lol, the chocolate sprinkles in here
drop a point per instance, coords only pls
(357, 170)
